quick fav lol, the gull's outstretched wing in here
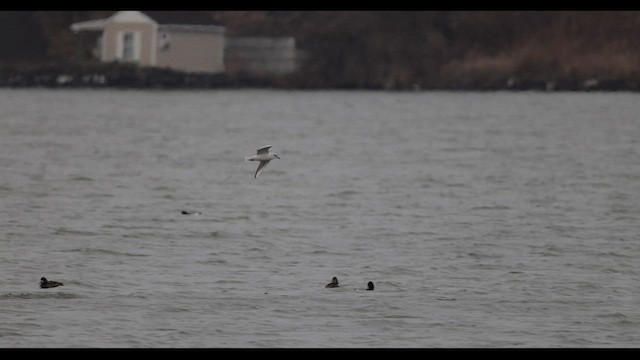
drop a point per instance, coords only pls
(264, 150)
(261, 167)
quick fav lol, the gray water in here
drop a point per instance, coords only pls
(484, 219)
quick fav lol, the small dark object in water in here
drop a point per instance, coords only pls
(333, 283)
(45, 284)
(370, 285)
(187, 212)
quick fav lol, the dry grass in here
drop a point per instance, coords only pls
(556, 61)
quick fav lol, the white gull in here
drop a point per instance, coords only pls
(264, 156)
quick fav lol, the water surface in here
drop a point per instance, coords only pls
(484, 219)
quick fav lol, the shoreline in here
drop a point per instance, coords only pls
(128, 76)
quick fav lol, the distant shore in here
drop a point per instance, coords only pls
(115, 75)
(119, 76)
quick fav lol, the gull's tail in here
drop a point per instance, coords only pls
(247, 158)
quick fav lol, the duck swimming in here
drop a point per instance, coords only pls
(45, 284)
(333, 283)
(370, 285)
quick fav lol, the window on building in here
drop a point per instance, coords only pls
(97, 50)
(165, 41)
(128, 47)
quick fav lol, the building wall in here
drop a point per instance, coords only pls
(192, 51)
(147, 43)
(261, 55)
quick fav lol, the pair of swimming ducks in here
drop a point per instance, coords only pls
(334, 284)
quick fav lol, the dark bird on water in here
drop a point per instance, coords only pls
(333, 283)
(45, 284)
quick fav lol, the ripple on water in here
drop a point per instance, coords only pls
(98, 251)
(40, 295)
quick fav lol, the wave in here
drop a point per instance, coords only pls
(40, 295)
(218, 234)
(617, 317)
(96, 195)
(212, 262)
(80, 178)
(490, 207)
(345, 193)
(164, 188)
(66, 231)
(5, 188)
(103, 252)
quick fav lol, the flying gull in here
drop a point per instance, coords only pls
(264, 156)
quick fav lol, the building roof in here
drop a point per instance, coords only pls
(192, 21)
(181, 17)
(89, 25)
(130, 16)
